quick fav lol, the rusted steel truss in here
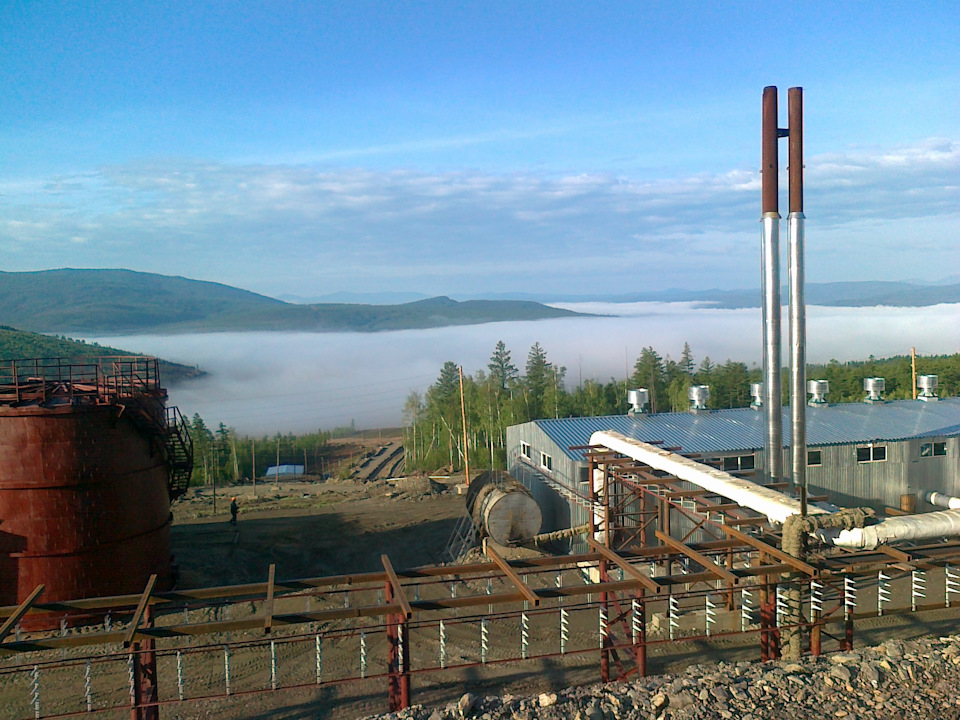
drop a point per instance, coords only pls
(715, 573)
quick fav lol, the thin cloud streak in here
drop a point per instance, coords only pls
(356, 229)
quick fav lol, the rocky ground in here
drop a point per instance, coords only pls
(895, 680)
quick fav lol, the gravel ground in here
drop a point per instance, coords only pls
(897, 679)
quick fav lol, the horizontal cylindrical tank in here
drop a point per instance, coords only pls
(503, 509)
(84, 504)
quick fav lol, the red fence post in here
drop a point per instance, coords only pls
(604, 627)
(640, 634)
(145, 691)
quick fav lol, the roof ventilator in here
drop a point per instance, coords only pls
(638, 400)
(699, 397)
(874, 388)
(817, 390)
(927, 385)
(756, 392)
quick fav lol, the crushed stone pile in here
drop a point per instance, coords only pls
(897, 680)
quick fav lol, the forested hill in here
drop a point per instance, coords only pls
(19, 344)
(120, 302)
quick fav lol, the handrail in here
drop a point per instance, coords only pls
(106, 379)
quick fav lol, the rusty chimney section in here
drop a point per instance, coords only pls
(797, 310)
(770, 289)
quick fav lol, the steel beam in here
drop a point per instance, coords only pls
(770, 550)
(22, 608)
(394, 582)
(505, 568)
(268, 602)
(697, 557)
(627, 568)
(138, 613)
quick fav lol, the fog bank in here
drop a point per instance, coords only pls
(295, 382)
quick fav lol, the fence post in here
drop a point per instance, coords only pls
(145, 693)
(398, 657)
(849, 605)
(640, 632)
(604, 632)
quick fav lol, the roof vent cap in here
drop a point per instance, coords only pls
(874, 388)
(927, 385)
(638, 400)
(756, 392)
(699, 397)
(818, 389)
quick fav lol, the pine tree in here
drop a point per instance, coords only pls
(502, 370)
(686, 360)
(537, 378)
(648, 372)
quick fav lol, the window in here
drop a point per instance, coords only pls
(737, 462)
(872, 453)
(933, 449)
(585, 476)
(526, 450)
(814, 458)
(546, 461)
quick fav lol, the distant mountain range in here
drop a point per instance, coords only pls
(123, 302)
(845, 294)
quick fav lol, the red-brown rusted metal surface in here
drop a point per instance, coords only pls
(84, 501)
(795, 116)
(769, 159)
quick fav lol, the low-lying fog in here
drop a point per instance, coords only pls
(293, 382)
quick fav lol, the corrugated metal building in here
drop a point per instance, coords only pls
(858, 453)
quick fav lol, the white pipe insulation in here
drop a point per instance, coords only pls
(777, 507)
(928, 526)
(941, 500)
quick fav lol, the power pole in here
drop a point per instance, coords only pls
(913, 367)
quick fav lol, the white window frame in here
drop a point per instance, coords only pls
(546, 461)
(526, 450)
(934, 446)
(873, 448)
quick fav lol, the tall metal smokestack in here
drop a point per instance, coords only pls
(798, 311)
(770, 288)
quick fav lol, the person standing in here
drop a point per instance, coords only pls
(234, 509)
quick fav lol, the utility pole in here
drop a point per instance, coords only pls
(463, 417)
(913, 368)
(253, 450)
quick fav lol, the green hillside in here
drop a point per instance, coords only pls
(117, 302)
(18, 344)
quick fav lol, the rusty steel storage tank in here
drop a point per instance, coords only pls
(90, 458)
(502, 508)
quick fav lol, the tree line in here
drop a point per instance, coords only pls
(501, 395)
(224, 456)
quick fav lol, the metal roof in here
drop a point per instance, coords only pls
(742, 429)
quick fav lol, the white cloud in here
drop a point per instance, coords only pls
(277, 228)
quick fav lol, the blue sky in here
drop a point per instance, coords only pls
(445, 148)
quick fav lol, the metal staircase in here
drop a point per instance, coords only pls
(178, 447)
(463, 538)
(170, 429)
